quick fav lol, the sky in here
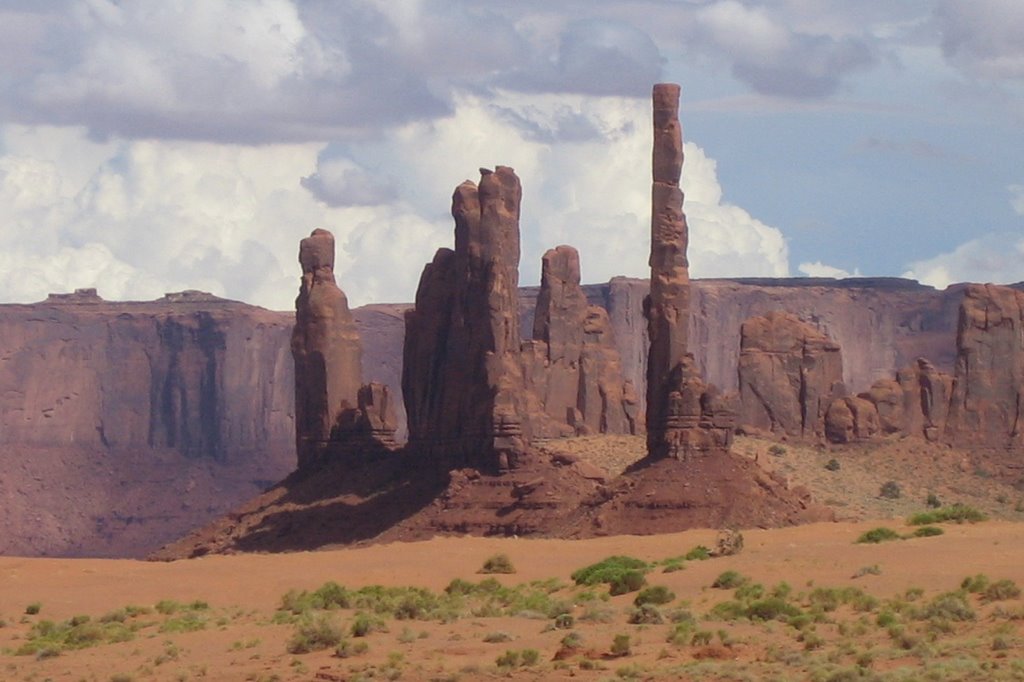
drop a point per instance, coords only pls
(149, 146)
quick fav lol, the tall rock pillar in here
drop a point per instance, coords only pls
(462, 377)
(685, 417)
(326, 350)
(668, 306)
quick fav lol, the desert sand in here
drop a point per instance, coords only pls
(239, 639)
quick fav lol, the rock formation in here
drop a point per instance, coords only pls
(327, 353)
(667, 308)
(572, 365)
(789, 373)
(677, 399)
(986, 404)
(462, 377)
(125, 424)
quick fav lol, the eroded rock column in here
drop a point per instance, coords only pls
(326, 350)
(668, 306)
(462, 380)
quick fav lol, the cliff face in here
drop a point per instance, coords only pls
(133, 410)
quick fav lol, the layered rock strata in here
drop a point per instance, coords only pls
(987, 398)
(789, 373)
(462, 377)
(334, 413)
(572, 365)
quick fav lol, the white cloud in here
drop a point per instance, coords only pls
(138, 218)
(819, 269)
(994, 258)
(772, 58)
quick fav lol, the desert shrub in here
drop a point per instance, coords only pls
(564, 621)
(49, 638)
(497, 637)
(728, 580)
(771, 608)
(189, 621)
(34, 608)
(876, 535)
(728, 610)
(1000, 590)
(777, 450)
(628, 581)
(680, 634)
(499, 563)
(932, 501)
(656, 594)
(927, 532)
(673, 565)
(346, 648)
(363, 624)
(698, 553)
(608, 570)
(954, 513)
(748, 591)
(890, 490)
(832, 465)
(514, 659)
(974, 583)
(873, 569)
(621, 646)
(951, 606)
(646, 614)
(701, 638)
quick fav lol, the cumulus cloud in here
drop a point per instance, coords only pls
(772, 58)
(819, 269)
(340, 182)
(994, 258)
(139, 218)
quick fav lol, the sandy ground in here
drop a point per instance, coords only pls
(239, 640)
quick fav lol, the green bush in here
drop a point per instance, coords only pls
(363, 624)
(499, 563)
(514, 659)
(656, 594)
(974, 583)
(955, 513)
(728, 580)
(646, 614)
(347, 648)
(621, 646)
(876, 535)
(314, 634)
(34, 608)
(608, 570)
(628, 581)
(932, 501)
(927, 531)
(832, 465)
(698, 553)
(1000, 590)
(950, 606)
(771, 608)
(777, 451)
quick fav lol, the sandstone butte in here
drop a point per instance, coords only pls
(179, 409)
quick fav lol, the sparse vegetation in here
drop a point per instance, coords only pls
(956, 513)
(622, 574)
(876, 535)
(34, 608)
(698, 553)
(729, 580)
(499, 563)
(832, 465)
(890, 490)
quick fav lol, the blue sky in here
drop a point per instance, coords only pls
(158, 145)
